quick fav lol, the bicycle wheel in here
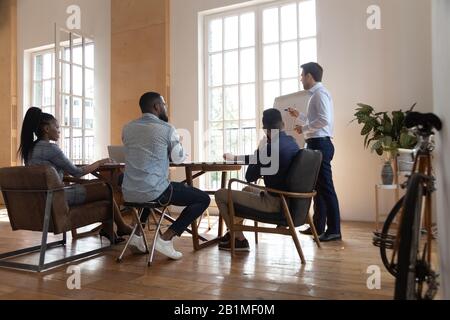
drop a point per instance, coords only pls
(405, 283)
(386, 236)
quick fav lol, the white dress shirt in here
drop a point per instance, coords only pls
(320, 114)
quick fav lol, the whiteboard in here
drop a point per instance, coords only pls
(298, 100)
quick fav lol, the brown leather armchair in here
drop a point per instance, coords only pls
(34, 198)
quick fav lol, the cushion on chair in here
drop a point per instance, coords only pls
(26, 209)
(302, 177)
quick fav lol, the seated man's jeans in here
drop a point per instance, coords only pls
(194, 200)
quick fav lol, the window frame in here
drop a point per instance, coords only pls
(58, 94)
(259, 82)
(33, 56)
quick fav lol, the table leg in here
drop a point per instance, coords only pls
(223, 185)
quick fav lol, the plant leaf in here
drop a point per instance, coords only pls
(366, 129)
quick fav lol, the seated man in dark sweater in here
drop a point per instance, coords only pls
(271, 161)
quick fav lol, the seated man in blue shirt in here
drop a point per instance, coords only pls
(279, 152)
(150, 143)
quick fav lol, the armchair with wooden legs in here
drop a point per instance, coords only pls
(295, 202)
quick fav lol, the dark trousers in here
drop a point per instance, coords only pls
(194, 200)
(326, 205)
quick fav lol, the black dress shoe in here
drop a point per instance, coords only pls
(306, 231)
(324, 237)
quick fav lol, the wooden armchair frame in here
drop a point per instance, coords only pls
(290, 230)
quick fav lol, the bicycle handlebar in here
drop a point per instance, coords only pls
(425, 122)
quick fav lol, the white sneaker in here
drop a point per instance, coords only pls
(166, 248)
(137, 245)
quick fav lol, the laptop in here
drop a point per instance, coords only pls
(117, 153)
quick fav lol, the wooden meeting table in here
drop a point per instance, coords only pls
(112, 172)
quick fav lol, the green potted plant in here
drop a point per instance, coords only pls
(385, 133)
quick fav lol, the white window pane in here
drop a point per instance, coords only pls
(289, 86)
(89, 114)
(89, 83)
(37, 98)
(215, 142)
(248, 65)
(78, 55)
(38, 66)
(231, 67)
(231, 102)
(66, 54)
(289, 22)
(215, 35)
(65, 104)
(77, 81)
(47, 67)
(89, 146)
(271, 91)
(50, 110)
(77, 49)
(48, 93)
(247, 29)
(248, 105)
(307, 18)
(53, 65)
(65, 139)
(289, 60)
(215, 105)
(77, 143)
(64, 45)
(231, 137)
(77, 120)
(215, 70)
(231, 33)
(270, 25)
(271, 62)
(89, 55)
(308, 51)
(65, 78)
(248, 137)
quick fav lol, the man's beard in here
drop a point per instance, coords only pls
(163, 117)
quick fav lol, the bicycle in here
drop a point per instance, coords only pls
(409, 260)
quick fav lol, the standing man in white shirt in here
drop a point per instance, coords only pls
(318, 132)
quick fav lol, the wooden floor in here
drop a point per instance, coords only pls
(272, 270)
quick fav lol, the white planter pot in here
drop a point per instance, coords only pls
(405, 160)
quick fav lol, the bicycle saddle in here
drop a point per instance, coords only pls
(425, 121)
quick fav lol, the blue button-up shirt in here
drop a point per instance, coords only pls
(150, 144)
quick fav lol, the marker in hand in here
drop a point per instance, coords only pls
(292, 112)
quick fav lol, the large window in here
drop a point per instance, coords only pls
(43, 87)
(74, 106)
(252, 56)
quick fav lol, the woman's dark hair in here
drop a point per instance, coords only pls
(33, 124)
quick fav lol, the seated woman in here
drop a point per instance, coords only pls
(42, 152)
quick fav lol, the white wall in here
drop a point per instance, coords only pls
(35, 28)
(441, 80)
(388, 68)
